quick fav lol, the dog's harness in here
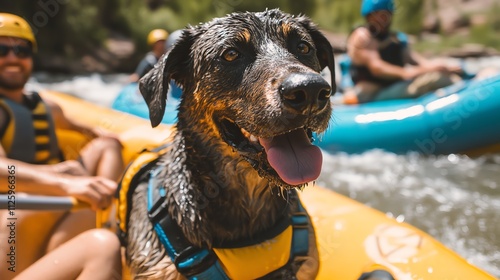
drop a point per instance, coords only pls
(268, 253)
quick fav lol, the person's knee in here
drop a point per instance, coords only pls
(428, 82)
(104, 237)
(99, 146)
(103, 241)
(103, 255)
(107, 144)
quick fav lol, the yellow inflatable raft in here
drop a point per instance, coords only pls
(352, 238)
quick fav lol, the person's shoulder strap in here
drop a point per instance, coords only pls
(402, 37)
(32, 99)
(4, 118)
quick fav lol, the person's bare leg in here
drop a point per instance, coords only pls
(94, 254)
(70, 226)
(33, 229)
(103, 157)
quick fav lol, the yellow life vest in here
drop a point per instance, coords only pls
(29, 135)
(264, 257)
(129, 181)
(288, 239)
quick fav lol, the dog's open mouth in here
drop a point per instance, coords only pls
(292, 155)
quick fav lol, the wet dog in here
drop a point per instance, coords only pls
(252, 99)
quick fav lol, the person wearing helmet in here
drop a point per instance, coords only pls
(156, 40)
(29, 148)
(380, 58)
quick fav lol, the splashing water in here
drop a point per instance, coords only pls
(454, 198)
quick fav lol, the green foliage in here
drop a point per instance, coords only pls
(139, 23)
(493, 18)
(79, 27)
(485, 35)
(338, 16)
(408, 15)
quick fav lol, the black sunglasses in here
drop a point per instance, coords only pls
(19, 51)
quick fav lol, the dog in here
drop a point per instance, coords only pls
(252, 98)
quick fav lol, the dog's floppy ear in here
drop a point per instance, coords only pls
(171, 66)
(323, 47)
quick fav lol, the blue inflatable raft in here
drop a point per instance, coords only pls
(461, 118)
(130, 100)
(457, 119)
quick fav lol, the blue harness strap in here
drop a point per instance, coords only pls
(300, 238)
(196, 263)
(192, 262)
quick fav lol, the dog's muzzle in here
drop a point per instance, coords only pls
(305, 93)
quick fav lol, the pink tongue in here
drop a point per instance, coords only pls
(293, 157)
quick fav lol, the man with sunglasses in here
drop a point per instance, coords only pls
(28, 145)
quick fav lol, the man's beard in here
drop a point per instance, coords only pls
(13, 84)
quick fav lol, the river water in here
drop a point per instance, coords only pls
(454, 198)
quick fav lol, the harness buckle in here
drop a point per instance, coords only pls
(158, 210)
(192, 261)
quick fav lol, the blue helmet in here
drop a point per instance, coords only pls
(370, 6)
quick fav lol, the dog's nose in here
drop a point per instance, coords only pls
(305, 92)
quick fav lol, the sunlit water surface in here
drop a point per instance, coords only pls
(454, 198)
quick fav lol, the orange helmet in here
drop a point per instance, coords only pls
(15, 26)
(157, 35)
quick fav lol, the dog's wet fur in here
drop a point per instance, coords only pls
(246, 76)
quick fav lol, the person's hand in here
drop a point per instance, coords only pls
(455, 69)
(133, 78)
(412, 72)
(70, 167)
(96, 191)
(441, 67)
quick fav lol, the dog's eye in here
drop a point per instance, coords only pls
(230, 55)
(303, 48)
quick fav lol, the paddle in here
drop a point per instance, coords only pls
(40, 202)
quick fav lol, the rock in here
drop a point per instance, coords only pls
(455, 14)
(478, 20)
(431, 24)
(91, 64)
(431, 37)
(121, 48)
